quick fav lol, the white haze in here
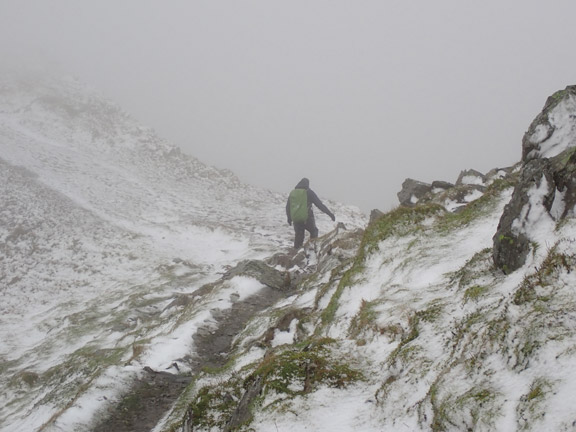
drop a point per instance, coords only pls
(356, 96)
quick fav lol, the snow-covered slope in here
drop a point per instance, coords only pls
(444, 340)
(412, 327)
(102, 225)
(113, 244)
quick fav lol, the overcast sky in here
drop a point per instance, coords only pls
(355, 95)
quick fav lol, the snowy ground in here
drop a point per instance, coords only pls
(102, 226)
(449, 345)
(444, 339)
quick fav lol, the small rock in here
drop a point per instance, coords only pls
(471, 177)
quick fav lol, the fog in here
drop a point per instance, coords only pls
(355, 95)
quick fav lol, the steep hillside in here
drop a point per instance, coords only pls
(143, 290)
(416, 324)
(104, 229)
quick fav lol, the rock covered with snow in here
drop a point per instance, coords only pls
(471, 177)
(470, 185)
(546, 189)
(441, 186)
(533, 193)
(554, 129)
(413, 191)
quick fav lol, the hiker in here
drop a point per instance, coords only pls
(299, 211)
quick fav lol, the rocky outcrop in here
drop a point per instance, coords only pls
(469, 186)
(547, 182)
(471, 177)
(375, 215)
(440, 186)
(511, 241)
(412, 192)
(262, 272)
(554, 129)
(243, 414)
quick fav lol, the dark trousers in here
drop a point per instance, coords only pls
(300, 230)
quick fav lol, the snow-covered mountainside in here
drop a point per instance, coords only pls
(103, 225)
(417, 324)
(143, 290)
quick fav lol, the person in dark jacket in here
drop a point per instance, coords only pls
(310, 224)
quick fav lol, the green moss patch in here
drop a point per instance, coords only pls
(299, 371)
(281, 375)
(475, 292)
(400, 222)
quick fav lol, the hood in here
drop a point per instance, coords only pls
(303, 184)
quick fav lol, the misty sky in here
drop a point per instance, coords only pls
(355, 95)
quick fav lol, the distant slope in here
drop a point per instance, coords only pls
(91, 151)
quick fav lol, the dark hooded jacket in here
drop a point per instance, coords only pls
(312, 199)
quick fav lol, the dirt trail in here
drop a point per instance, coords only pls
(155, 392)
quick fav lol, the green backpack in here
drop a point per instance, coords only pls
(299, 205)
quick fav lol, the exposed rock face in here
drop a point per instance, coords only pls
(554, 129)
(499, 173)
(470, 185)
(412, 191)
(375, 215)
(471, 177)
(439, 185)
(511, 241)
(547, 185)
(242, 413)
(564, 171)
(458, 197)
(267, 275)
